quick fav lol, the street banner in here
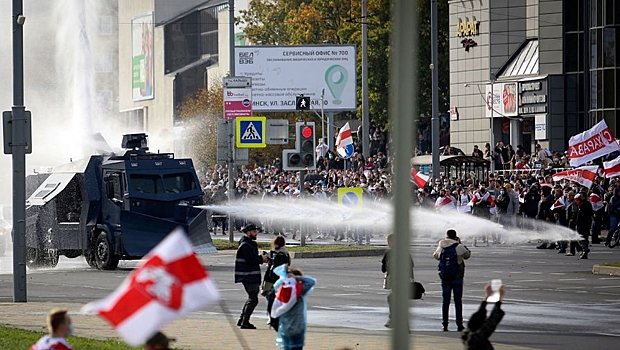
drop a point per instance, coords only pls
(584, 175)
(591, 144)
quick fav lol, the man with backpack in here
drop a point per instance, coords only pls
(451, 255)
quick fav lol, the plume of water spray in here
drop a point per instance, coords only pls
(378, 216)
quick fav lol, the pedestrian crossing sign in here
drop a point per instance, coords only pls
(250, 132)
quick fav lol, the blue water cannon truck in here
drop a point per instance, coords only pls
(113, 207)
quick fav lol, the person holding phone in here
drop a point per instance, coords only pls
(479, 327)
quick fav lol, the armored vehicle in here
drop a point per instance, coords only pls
(113, 207)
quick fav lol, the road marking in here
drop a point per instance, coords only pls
(571, 279)
(523, 281)
(346, 294)
(604, 287)
(325, 307)
(558, 273)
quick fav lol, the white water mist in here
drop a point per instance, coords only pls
(378, 217)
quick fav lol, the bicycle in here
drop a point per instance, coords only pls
(615, 237)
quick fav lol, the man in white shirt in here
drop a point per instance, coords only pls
(321, 149)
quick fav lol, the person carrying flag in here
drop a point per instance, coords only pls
(290, 307)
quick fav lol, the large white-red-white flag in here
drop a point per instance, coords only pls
(584, 175)
(289, 292)
(169, 283)
(444, 203)
(559, 203)
(418, 178)
(591, 144)
(612, 168)
(596, 201)
(486, 197)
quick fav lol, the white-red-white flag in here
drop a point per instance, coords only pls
(596, 201)
(169, 283)
(584, 175)
(559, 203)
(612, 168)
(444, 203)
(287, 295)
(591, 144)
(522, 196)
(418, 178)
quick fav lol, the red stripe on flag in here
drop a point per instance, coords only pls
(185, 270)
(345, 134)
(613, 171)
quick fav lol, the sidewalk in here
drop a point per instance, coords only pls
(211, 330)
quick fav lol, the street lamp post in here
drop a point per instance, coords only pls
(490, 105)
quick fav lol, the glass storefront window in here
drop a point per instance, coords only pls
(572, 52)
(609, 47)
(617, 89)
(593, 49)
(609, 12)
(609, 88)
(593, 89)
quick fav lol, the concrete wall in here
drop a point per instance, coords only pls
(470, 68)
(550, 37)
(158, 122)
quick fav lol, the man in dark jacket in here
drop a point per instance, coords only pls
(247, 271)
(479, 327)
(584, 221)
(546, 214)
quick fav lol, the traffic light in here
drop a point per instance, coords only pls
(302, 103)
(303, 156)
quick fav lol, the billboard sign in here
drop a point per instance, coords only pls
(281, 73)
(237, 97)
(502, 101)
(142, 57)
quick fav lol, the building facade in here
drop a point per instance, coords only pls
(532, 71)
(166, 54)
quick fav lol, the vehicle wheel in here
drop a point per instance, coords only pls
(51, 258)
(34, 257)
(105, 259)
(615, 238)
(89, 256)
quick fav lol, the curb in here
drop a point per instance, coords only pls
(328, 254)
(605, 270)
(339, 253)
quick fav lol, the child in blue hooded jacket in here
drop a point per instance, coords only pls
(290, 307)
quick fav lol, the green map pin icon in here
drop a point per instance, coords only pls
(336, 78)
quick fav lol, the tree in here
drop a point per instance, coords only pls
(200, 114)
(285, 22)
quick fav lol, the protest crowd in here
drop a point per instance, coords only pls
(543, 185)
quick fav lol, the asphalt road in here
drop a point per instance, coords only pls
(552, 301)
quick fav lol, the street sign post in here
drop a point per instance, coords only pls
(237, 97)
(250, 132)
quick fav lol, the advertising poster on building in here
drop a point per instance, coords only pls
(502, 102)
(325, 73)
(142, 57)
